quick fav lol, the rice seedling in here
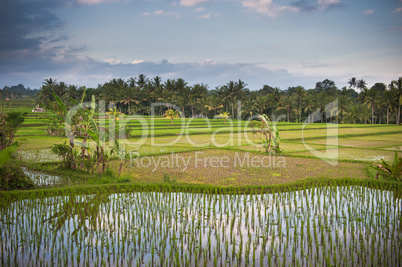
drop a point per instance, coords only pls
(321, 224)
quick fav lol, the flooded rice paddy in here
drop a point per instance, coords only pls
(43, 179)
(321, 226)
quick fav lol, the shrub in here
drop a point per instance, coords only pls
(12, 177)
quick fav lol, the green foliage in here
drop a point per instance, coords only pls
(172, 114)
(224, 116)
(166, 178)
(272, 138)
(64, 151)
(9, 124)
(5, 154)
(13, 178)
(392, 171)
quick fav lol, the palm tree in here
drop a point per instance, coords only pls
(50, 82)
(371, 99)
(142, 81)
(361, 84)
(320, 102)
(352, 82)
(248, 108)
(353, 113)
(364, 113)
(300, 94)
(388, 101)
(309, 106)
(397, 86)
(240, 86)
(130, 96)
(343, 103)
(230, 91)
(214, 103)
(260, 104)
(195, 94)
(287, 103)
(45, 93)
(131, 82)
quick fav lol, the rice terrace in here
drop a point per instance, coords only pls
(144, 173)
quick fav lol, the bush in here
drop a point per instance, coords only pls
(12, 178)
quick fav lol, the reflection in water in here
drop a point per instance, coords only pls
(320, 226)
(82, 211)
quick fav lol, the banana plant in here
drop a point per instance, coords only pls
(172, 114)
(272, 138)
(391, 171)
(224, 116)
(99, 136)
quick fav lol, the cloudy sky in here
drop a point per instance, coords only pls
(281, 43)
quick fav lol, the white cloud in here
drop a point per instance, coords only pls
(369, 11)
(199, 9)
(268, 8)
(191, 2)
(328, 2)
(162, 13)
(93, 2)
(397, 10)
(208, 16)
(112, 61)
(137, 61)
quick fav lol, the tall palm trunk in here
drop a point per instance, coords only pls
(387, 115)
(372, 114)
(300, 110)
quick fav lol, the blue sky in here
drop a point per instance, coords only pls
(281, 43)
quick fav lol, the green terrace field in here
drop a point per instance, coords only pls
(204, 193)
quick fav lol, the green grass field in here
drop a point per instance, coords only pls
(304, 148)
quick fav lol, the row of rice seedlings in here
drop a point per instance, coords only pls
(38, 155)
(42, 179)
(345, 225)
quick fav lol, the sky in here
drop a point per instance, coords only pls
(280, 43)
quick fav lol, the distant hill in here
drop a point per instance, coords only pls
(18, 91)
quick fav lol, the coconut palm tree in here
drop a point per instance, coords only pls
(388, 102)
(361, 84)
(352, 82)
(397, 86)
(214, 103)
(130, 96)
(353, 113)
(260, 104)
(309, 106)
(287, 103)
(364, 113)
(142, 80)
(321, 100)
(300, 95)
(371, 99)
(343, 103)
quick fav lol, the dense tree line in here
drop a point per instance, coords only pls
(17, 91)
(357, 103)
